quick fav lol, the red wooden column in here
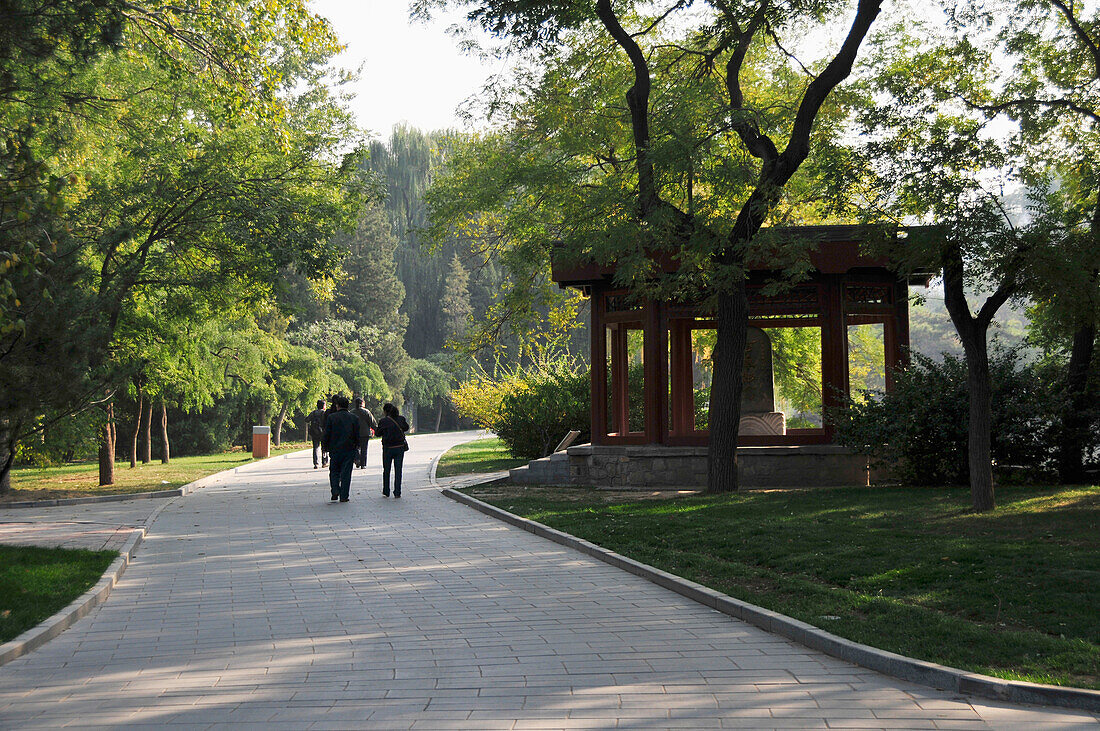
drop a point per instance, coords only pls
(898, 345)
(598, 338)
(834, 346)
(655, 368)
(682, 406)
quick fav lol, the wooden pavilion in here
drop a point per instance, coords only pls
(659, 340)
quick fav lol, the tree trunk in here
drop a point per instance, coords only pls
(439, 416)
(725, 392)
(7, 454)
(972, 331)
(147, 434)
(1071, 447)
(107, 436)
(137, 428)
(265, 409)
(166, 450)
(980, 428)
(277, 428)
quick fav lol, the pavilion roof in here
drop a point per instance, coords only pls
(838, 250)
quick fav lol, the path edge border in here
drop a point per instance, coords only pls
(53, 626)
(922, 672)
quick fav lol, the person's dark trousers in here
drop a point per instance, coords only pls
(394, 456)
(363, 454)
(340, 465)
(318, 452)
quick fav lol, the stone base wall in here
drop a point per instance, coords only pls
(652, 466)
(552, 470)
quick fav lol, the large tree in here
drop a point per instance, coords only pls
(200, 160)
(694, 165)
(985, 127)
(1037, 63)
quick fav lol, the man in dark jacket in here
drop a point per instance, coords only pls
(315, 428)
(367, 423)
(341, 438)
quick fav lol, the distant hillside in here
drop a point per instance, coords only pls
(932, 334)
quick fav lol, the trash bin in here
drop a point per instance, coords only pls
(261, 442)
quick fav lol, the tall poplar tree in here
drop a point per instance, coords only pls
(455, 304)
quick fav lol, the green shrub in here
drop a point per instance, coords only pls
(919, 430)
(532, 408)
(480, 397)
(553, 401)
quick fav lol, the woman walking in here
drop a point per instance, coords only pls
(392, 428)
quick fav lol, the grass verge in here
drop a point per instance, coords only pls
(481, 455)
(37, 582)
(82, 479)
(1012, 593)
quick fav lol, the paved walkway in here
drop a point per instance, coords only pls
(257, 601)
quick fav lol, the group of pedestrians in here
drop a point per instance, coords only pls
(340, 435)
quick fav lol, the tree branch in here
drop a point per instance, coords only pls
(1024, 102)
(679, 4)
(1080, 32)
(758, 144)
(798, 146)
(637, 99)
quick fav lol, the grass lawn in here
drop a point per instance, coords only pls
(1014, 593)
(82, 479)
(36, 582)
(481, 455)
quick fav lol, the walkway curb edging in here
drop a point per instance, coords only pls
(887, 663)
(175, 492)
(46, 630)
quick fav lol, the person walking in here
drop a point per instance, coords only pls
(341, 437)
(367, 423)
(328, 412)
(392, 428)
(315, 429)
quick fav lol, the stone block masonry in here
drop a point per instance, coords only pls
(649, 466)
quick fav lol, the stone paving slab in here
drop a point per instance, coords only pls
(69, 534)
(257, 601)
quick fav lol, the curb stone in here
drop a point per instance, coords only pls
(887, 663)
(46, 630)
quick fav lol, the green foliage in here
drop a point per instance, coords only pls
(162, 187)
(455, 304)
(363, 378)
(919, 430)
(427, 384)
(408, 164)
(370, 295)
(61, 438)
(796, 365)
(561, 164)
(480, 397)
(552, 401)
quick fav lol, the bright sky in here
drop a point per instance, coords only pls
(411, 72)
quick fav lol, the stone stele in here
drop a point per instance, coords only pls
(758, 414)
